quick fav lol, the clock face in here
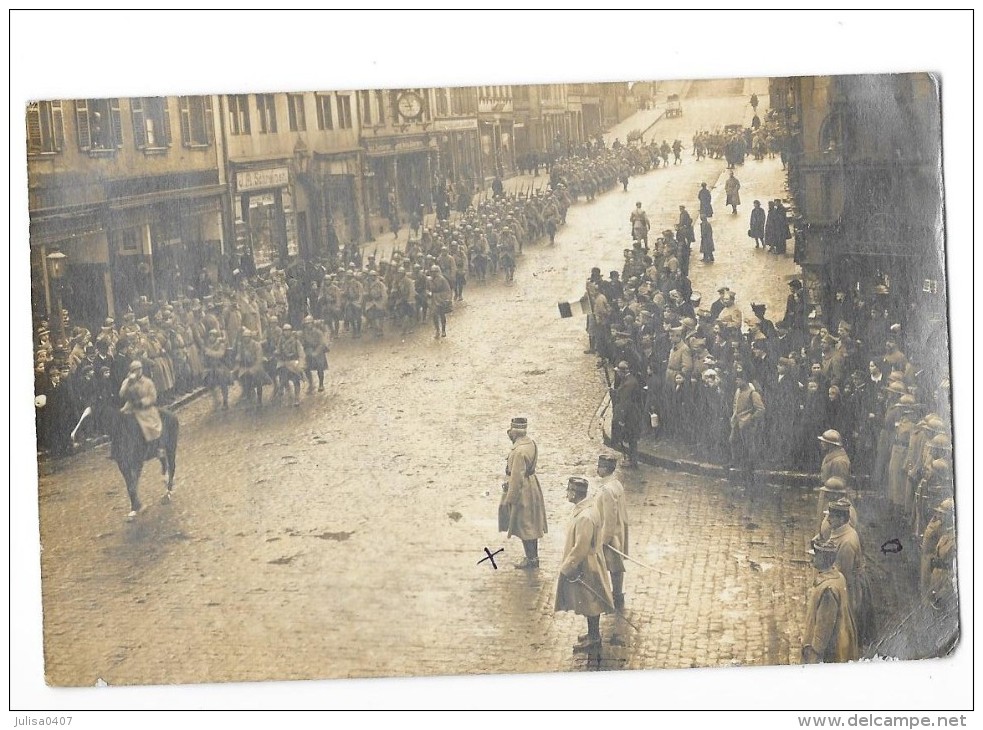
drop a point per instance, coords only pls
(409, 105)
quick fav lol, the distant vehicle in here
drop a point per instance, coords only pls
(734, 129)
(673, 107)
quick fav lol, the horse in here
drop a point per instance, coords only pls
(130, 450)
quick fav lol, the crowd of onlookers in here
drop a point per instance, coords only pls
(859, 390)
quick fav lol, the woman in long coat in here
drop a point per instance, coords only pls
(706, 240)
(774, 229)
(706, 207)
(756, 227)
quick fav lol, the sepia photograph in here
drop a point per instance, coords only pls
(518, 373)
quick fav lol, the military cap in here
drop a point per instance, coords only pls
(823, 548)
(607, 460)
(623, 366)
(287, 327)
(520, 423)
(136, 365)
(897, 387)
(579, 484)
(841, 505)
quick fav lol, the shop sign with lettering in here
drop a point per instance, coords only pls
(274, 177)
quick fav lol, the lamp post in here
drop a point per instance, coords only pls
(57, 262)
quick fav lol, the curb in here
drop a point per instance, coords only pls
(779, 478)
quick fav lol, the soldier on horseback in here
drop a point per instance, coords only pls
(139, 396)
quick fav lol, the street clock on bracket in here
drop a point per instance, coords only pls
(409, 104)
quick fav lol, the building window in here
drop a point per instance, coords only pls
(295, 113)
(45, 128)
(442, 110)
(238, 113)
(266, 106)
(99, 124)
(380, 105)
(344, 112)
(151, 122)
(197, 123)
(463, 100)
(324, 117)
(366, 108)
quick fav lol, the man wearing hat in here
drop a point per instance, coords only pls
(524, 507)
(612, 507)
(640, 225)
(628, 411)
(441, 300)
(684, 237)
(833, 489)
(314, 338)
(139, 397)
(584, 585)
(680, 360)
(830, 634)
(850, 562)
(938, 551)
(885, 437)
(252, 367)
(353, 298)
(745, 422)
(291, 362)
(836, 462)
(730, 315)
(795, 312)
(718, 305)
(896, 475)
(934, 487)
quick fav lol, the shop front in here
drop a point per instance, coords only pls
(83, 286)
(336, 218)
(265, 216)
(497, 147)
(398, 180)
(457, 154)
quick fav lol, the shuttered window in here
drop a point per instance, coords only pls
(45, 128)
(324, 117)
(197, 123)
(99, 124)
(344, 111)
(151, 123)
(295, 112)
(266, 106)
(238, 113)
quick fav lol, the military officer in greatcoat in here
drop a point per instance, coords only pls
(584, 585)
(611, 504)
(523, 505)
(830, 634)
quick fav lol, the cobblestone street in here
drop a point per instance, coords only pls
(342, 538)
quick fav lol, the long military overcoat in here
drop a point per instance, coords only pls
(583, 561)
(524, 497)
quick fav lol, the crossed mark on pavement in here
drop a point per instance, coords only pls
(489, 555)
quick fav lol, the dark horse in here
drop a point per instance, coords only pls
(130, 450)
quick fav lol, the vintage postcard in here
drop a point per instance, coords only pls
(555, 377)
